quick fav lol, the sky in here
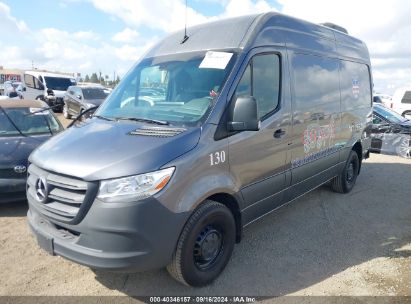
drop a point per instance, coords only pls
(108, 36)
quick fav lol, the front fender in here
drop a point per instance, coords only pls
(197, 178)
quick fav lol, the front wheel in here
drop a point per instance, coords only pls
(344, 182)
(205, 245)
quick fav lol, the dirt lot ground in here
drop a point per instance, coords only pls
(322, 244)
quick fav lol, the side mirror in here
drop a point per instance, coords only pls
(79, 97)
(244, 115)
(41, 86)
(24, 89)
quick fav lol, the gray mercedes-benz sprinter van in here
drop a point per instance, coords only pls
(202, 137)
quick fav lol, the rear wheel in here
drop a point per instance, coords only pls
(344, 182)
(205, 245)
(407, 114)
(404, 147)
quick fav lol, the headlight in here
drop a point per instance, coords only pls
(134, 187)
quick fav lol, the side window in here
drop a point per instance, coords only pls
(244, 86)
(29, 80)
(261, 80)
(376, 120)
(77, 92)
(38, 85)
(266, 82)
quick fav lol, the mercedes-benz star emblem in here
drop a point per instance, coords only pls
(20, 169)
(41, 190)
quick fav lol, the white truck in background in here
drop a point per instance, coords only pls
(49, 87)
(401, 102)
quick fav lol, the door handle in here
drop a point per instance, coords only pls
(279, 133)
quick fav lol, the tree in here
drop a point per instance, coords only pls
(87, 79)
(94, 78)
(118, 79)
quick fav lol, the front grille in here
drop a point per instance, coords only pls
(59, 100)
(63, 196)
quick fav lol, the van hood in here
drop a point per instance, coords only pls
(99, 149)
(59, 94)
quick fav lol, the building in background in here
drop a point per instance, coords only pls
(9, 75)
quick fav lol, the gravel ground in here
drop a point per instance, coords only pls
(324, 243)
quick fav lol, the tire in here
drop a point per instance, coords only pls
(205, 245)
(345, 182)
(65, 112)
(404, 147)
(406, 113)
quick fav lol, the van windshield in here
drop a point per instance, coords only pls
(179, 89)
(58, 83)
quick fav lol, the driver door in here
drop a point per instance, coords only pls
(258, 159)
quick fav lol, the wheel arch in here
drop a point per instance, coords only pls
(358, 149)
(231, 203)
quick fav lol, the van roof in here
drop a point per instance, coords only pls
(48, 74)
(245, 32)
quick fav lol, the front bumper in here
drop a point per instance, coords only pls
(125, 237)
(12, 190)
(56, 102)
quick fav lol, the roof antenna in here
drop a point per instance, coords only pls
(185, 28)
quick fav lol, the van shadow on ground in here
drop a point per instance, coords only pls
(306, 242)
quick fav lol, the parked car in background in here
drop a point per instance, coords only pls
(24, 125)
(11, 87)
(401, 102)
(391, 132)
(81, 98)
(49, 87)
(12, 90)
(383, 99)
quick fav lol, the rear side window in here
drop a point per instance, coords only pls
(355, 85)
(377, 120)
(261, 80)
(316, 82)
(407, 97)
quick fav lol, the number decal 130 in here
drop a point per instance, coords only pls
(217, 158)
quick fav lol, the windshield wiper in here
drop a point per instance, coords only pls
(12, 122)
(42, 110)
(152, 121)
(81, 115)
(103, 117)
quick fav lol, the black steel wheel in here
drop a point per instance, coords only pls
(205, 245)
(345, 181)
